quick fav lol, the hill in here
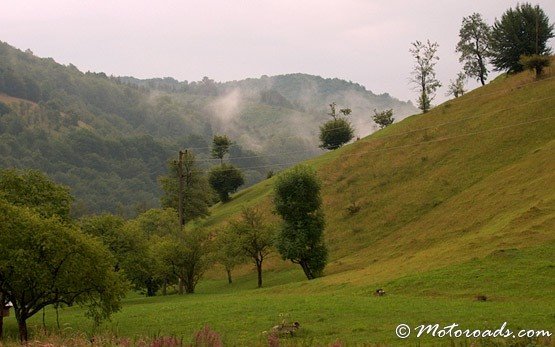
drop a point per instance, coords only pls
(470, 178)
(109, 138)
(436, 210)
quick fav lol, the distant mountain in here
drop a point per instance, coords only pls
(109, 138)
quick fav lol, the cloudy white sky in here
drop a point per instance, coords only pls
(365, 41)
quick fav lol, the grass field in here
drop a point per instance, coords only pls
(455, 203)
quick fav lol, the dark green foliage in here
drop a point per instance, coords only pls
(197, 195)
(108, 228)
(383, 118)
(473, 46)
(535, 63)
(335, 133)
(524, 30)
(298, 201)
(225, 179)
(33, 189)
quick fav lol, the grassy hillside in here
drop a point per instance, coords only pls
(452, 204)
(471, 177)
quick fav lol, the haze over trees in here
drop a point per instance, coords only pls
(423, 74)
(109, 138)
(475, 36)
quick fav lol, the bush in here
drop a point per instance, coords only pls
(225, 179)
(335, 133)
(535, 63)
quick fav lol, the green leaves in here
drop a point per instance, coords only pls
(45, 261)
(335, 133)
(297, 200)
(225, 179)
(524, 30)
(474, 45)
(34, 189)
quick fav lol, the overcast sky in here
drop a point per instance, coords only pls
(365, 41)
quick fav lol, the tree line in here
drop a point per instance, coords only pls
(51, 259)
(516, 41)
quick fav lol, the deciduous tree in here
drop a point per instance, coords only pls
(45, 261)
(228, 251)
(456, 87)
(524, 30)
(337, 131)
(383, 118)
(225, 179)
(220, 147)
(253, 237)
(298, 201)
(423, 74)
(473, 46)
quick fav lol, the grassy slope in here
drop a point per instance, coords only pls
(454, 203)
(460, 182)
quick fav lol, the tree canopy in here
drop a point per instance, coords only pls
(297, 200)
(337, 131)
(523, 30)
(475, 36)
(197, 195)
(33, 189)
(253, 237)
(225, 179)
(47, 262)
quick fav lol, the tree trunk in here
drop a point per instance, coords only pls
(1, 315)
(181, 286)
(306, 269)
(165, 287)
(23, 334)
(229, 281)
(259, 271)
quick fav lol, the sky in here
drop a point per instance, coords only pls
(364, 41)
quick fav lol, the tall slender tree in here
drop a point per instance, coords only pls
(473, 46)
(423, 74)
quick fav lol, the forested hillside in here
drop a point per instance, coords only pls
(109, 138)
